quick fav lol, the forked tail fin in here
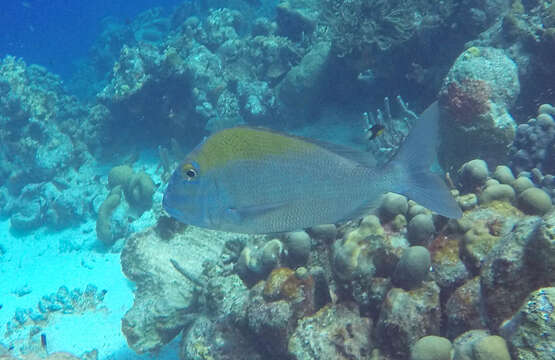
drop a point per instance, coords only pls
(414, 160)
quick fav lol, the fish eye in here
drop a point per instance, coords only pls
(189, 171)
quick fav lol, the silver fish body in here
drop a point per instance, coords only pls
(258, 181)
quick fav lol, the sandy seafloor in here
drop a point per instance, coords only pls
(35, 261)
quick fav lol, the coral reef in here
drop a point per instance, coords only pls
(534, 144)
(402, 283)
(334, 332)
(407, 316)
(170, 267)
(47, 140)
(530, 330)
(198, 342)
(477, 93)
(463, 309)
(361, 283)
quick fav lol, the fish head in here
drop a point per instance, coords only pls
(192, 196)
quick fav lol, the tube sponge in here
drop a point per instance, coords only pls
(103, 221)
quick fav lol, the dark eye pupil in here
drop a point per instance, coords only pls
(191, 173)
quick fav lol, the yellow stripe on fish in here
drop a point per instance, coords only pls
(244, 143)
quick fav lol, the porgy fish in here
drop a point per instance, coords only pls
(252, 180)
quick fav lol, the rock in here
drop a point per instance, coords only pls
(297, 17)
(373, 296)
(491, 348)
(67, 209)
(302, 86)
(534, 201)
(406, 316)
(412, 268)
(335, 332)
(448, 270)
(271, 322)
(540, 252)
(506, 278)
(478, 92)
(199, 342)
(275, 306)
(28, 217)
(166, 273)
(530, 331)
(463, 309)
(431, 348)
(228, 299)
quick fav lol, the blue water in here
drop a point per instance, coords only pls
(56, 33)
